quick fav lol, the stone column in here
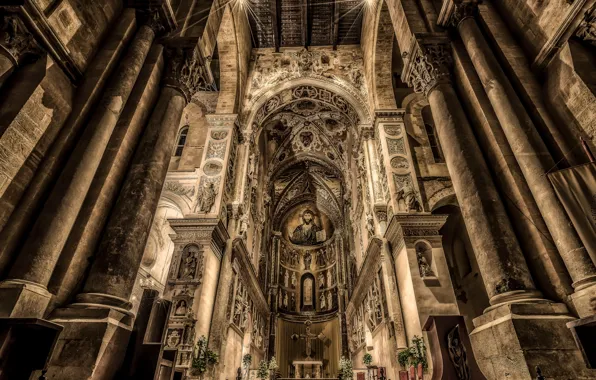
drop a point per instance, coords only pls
(33, 268)
(17, 45)
(86, 232)
(101, 312)
(501, 261)
(529, 150)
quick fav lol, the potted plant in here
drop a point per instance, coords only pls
(346, 372)
(413, 358)
(367, 359)
(246, 361)
(203, 358)
(263, 370)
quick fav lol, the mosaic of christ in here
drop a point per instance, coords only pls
(306, 226)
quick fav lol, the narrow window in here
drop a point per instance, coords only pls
(181, 141)
(434, 143)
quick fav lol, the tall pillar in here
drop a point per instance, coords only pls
(17, 45)
(530, 152)
(500, 259)
(101, 312)
(31, 272)
(86, 232)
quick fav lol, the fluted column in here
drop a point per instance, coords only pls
(17, 45)
(500, 259)
(527, 146)
(112, 275)
(33, 268)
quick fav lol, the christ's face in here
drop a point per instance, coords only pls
(307, 217)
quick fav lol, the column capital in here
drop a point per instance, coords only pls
(16, 39)
(454, 12)
(368, 133)
(427, 64)
(187, 71)
(587, 27)
(157, 15)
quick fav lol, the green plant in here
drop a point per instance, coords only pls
(419, 352)
(246, 360)
(263, 370)
(346, 371)
(367, 359)
(273, 364)
(403, 357)
(203, 357)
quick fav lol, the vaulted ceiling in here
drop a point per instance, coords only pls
(290, 23)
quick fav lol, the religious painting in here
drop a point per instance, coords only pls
(307, 226)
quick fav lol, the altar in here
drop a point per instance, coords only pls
(307, 369)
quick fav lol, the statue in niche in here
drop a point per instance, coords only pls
(370, 224)
(423, 266)
(308, 233)
(323, 302)
(181, 308)
(285, 303)
(188, 266)
(457, 354)
(410, 197)
(243, 226)
(307, 260)
(293, 301)
(321, 258)
(321, 280)
(330, 277)
(208, 195)
(293, 280)
(330, 299)
(307, 292)
(286, 278)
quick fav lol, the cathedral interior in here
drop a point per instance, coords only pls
(290, 189)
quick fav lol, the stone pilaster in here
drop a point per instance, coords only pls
(17, 45)
(217, 172)
(421, 269)
(31, 272)
(530, 152)
(396, 159)
(192, 283)
(501, 261)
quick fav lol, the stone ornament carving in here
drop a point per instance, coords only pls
(406, 193)
(187, 72)
(462, 11)
(396, 146)
(212, 168)
(219, 135)
(393, 130)
(400, 162)
(177, 188)
(427, 66)
(216, 150)
(587, 27)
(16, 39)
(207, 195)
(458, 354)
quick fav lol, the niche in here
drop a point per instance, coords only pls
(426, 265)
(307, 292)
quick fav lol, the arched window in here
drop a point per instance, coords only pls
(181, 141)
(434, 143)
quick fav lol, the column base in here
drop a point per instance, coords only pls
(584, 301)
(510, 340)
(92, 345)
(23, 299)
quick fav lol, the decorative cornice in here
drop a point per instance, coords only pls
(428, 63)
(228, 120)
(207, 231)
(187, 71)
(389, 115)
(16, 39)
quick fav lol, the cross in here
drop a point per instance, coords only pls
(308, 338)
